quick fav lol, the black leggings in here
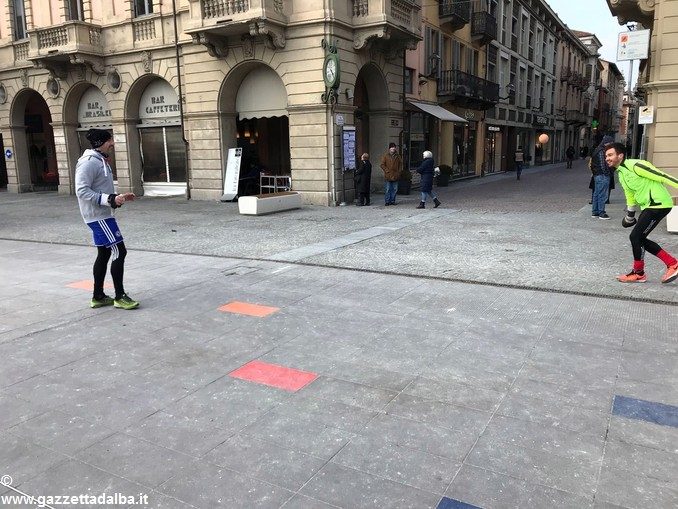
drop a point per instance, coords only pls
(648, 219)
(117, 268)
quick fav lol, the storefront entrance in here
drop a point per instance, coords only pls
(35, 156)
(3, 165)
(493, 150)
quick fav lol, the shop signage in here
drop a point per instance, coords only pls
(541, 120)
(159, 102)
(395, 122)
(9, 153)
(417, 137)
(494, 128)
(348, 147)
(232, 174)
(469, 115)
(93, 109)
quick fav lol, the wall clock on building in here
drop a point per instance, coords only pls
(331, 71)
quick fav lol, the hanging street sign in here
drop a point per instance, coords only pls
(633, 45)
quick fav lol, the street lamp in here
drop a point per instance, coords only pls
(510, 88)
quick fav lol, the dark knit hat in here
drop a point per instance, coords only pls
(97, 137)
(392, 145)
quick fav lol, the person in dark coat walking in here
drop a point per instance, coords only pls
(569, 153)
(363, 180)
(426, 171)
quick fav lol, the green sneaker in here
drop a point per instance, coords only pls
(99, 303)
(125, 302)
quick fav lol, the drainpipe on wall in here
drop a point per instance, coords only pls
(181, 101)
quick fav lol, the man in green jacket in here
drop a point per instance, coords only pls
(644, 187)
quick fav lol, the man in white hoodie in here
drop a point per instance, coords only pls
(97, 199)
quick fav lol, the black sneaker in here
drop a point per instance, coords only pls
(603, 216)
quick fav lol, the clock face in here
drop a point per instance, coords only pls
(331, 72)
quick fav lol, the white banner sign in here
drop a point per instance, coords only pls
(232, 174)
(633, 45)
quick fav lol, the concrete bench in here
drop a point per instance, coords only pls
(268, 203)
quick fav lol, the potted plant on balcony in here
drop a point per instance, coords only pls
(443, 178)
(405, 182)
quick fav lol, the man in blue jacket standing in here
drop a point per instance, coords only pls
(602, 174)
(97, 200)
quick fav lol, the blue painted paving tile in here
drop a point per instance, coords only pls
(450, 503)
(650, 411)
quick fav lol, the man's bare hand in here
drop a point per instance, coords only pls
(122, 198)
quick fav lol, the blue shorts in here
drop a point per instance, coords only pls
(105, 233)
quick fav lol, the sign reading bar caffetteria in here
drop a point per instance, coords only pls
(633, 45)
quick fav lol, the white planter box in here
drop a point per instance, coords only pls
(269, 203)
(672, 220)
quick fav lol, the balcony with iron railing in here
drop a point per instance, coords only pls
(212, 21)
(455, 13)
(467, 90)
(484, 27)
(73, 42)
(576, 117)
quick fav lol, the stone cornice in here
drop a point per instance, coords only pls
(633, 10)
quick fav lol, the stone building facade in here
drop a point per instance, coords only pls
(447, 93)
(572, 116)
(659, 75)
(179, 88)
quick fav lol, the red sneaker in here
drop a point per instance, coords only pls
(632, 277)
(671, 273)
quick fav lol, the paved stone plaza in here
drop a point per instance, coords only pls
(476, 355)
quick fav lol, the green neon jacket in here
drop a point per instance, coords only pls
(644, 185)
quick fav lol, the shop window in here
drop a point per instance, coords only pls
(163, 154)
(143, 7)
(19, 20)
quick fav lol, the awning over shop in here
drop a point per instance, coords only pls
(261, 94)
(438, 111)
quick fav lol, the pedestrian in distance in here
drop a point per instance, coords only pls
(601, 179)
(569, 154)
(363, 179)
(97, 200)
(644, 187)
(426, 171)
(392, 166)
(519, 158)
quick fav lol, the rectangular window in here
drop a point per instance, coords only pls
(19, 20)
(456, 55)
(143, 7)
(408, 80)
(74, 10)
(163, 154)
(432, 49)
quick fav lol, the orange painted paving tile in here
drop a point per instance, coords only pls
(244, 308)
(86, 284)
(273, 375)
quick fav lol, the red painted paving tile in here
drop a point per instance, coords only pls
(281, 377)
(244, 308)
(86, 284)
